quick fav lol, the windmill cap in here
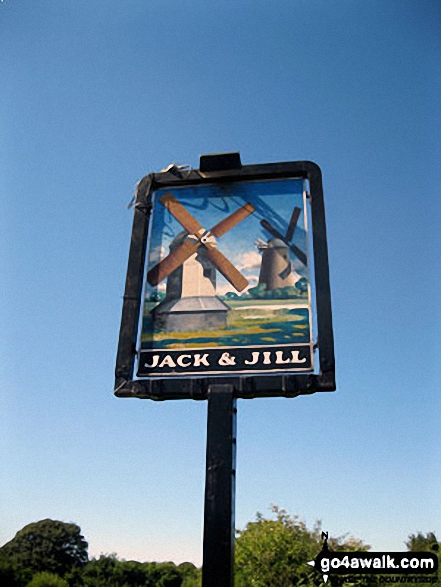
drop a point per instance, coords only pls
(276, 243)
(178, 240)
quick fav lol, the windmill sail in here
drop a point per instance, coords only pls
(197, 236)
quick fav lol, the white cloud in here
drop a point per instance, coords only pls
(223, 287)
(250, 261)
(157, 254)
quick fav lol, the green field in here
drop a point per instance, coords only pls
(250, 322)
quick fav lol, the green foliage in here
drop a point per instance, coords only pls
(187, 568)
(46, 579)
(13, 576)
(259, 292)
(75, 577)
(274, 552)
(302, 285)
(47, 545)
(156, 296)
(422, 542)
(192, 576)
(101, 572)
(269, 553)
(194, 580)
(426, 543)
(108, 571)
(169, 576)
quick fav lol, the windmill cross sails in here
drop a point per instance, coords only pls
(198, 236)
(287, 239)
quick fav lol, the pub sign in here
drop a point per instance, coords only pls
(227, 280)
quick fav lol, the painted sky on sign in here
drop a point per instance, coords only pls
(95, 95)
(272, 201)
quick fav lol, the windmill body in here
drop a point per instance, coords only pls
(190, 301)
(196, 277)
(275, 269)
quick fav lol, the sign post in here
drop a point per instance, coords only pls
(220, 478)
(227, 296)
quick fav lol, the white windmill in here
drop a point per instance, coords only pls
(190, 302)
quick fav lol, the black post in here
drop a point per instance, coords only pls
(219, 513)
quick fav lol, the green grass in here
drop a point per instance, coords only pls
(256, 325)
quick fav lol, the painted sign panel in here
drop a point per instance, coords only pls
(227, 288)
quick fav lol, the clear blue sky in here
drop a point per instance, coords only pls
(96, 94)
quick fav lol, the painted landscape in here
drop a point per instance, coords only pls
(249, 289)
(262, 322)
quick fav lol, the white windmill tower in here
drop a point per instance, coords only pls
(190, 302)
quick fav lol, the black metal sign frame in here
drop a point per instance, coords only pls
(224, 168)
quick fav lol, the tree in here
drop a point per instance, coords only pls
(47, 545)
(421, 542)
(101, 572)
(193, 580)
(425, 543)
(166, 575)
(274, 552)
(133, 573)
(12, 576)
(192, 576)
(156, 296)
(108, 571)
(302, 285)
(46, 579)
(231, 295)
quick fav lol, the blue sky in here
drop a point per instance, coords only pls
(95, 95)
